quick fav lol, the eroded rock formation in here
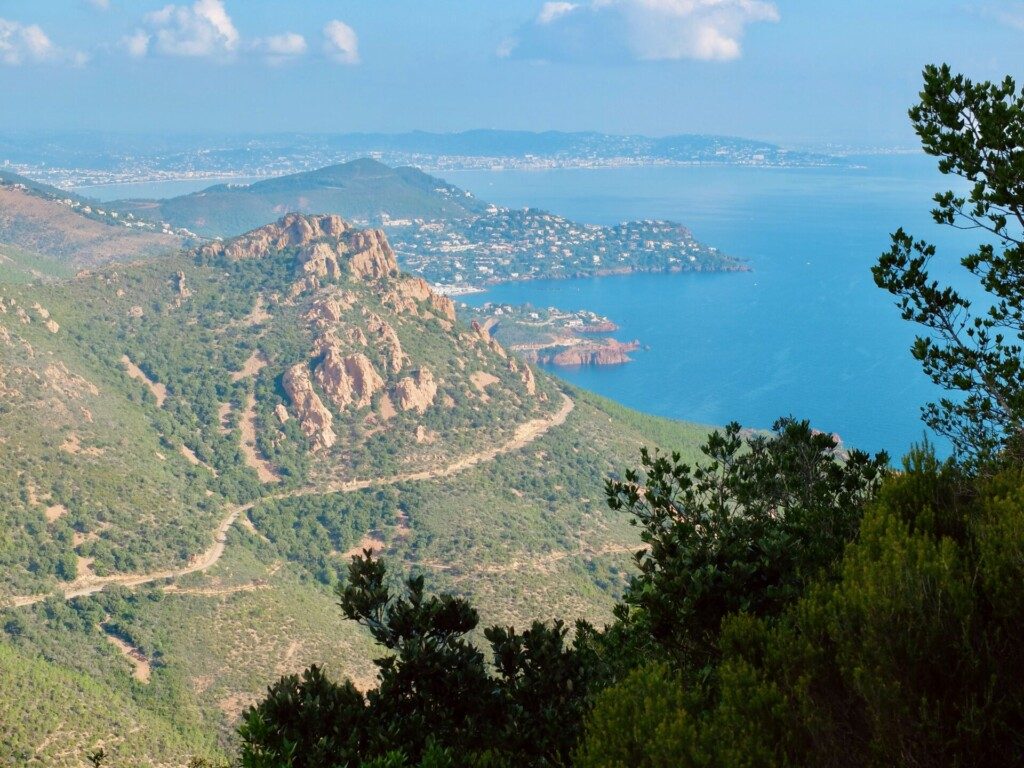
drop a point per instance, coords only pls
(407, 295)
(314, 417)
(416, 392)
(329, 309)
(388, 340)
(372, 257)
(179, 285)
(484, 335)
(292, 231)
(348, 379)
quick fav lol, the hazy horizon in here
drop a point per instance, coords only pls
(829, 73)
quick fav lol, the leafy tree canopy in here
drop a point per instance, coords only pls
(977, 132)
(745, 531)
(438, 702)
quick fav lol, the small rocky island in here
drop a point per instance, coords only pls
(551, 336)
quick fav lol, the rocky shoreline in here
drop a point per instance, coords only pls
(604, 352)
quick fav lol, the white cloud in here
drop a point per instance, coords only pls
(102, 5)
(286, 44)
(705, 30)
(137, 43)
(29, 44)
(341, 42)
(281, 48)
(200, 30)
(551, 11)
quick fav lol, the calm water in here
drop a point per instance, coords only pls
(154, 189)
(806, 333)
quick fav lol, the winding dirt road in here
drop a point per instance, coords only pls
(524, 435)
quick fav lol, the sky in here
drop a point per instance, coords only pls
(798, 72)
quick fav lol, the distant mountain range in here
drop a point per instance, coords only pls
(582, 147)
(82, 159)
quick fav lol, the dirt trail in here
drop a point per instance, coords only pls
(141, 666)
(159, 390)
(264, 470)
(93, 584)
(89, 585)
(232, 589)
(524, 435)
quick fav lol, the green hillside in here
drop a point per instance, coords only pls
(21, 266)
(361, 189)
(197, 446)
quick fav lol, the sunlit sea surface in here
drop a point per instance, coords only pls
(805, 333)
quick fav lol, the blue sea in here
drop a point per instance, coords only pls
(805, 333)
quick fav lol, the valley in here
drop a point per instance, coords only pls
(540, 384)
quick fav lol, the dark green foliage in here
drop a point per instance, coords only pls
(437, 702)
(305, 722)
(977, 132)
(435, 682)
(909, 658)
(641, 722)
(745, 531)
(544, 690)
(308, 529)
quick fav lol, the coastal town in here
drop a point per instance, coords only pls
(506, 244)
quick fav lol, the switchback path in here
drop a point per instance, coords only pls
(87, 585)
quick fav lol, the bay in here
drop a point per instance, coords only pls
(155, 190)
(805, 333)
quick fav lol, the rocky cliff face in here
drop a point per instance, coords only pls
(416, 392)
(348, 380)
(327, 310)
(485, 336)
(372, 257)
(387, 338)
(410, 292)
(607, 352)
(327, 248)
(292, 231)
(314, 417)
(525, 373)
